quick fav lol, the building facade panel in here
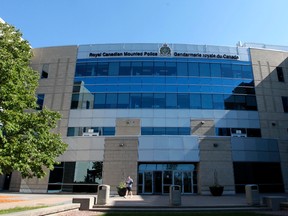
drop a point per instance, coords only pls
(166, 114)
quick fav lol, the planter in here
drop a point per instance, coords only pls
(121, 191)
(216, 190)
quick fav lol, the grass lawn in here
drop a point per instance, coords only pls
(184, 214)
(19, 209)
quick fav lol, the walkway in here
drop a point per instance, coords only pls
(145, 202)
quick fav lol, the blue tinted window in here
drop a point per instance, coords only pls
(159, 69)
(160, 88)
(123, 88)
(183, 101)
(247, 71)
(147, 88)
(171, 80)
(146, 131)
(171, 131)
(159, 101)
(135, 100)
(80, 69)
(108, 131)
(218, 101)
(70, 131)
(112, 88)
(195, 101)
(237, 71)
(40, 101)
(165, 131)
(171, 69)
(182, 69)
(75, 101)
(193, 69)
(159, 131)
(171, 88)
(215, 70)
(102, 69)
(229, 101)
(125, 69)
(206, 100)
(123, 100)
(99, 100)
(147, 100)
(111, 100)
(90, 69)
(136, 68)
(113, 69)
(204, 69)
(226, 70)
(171, 101)
(184, 131)
(147, 68)
(251, 103)
(223, 132)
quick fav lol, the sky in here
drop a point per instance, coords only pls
(46, 23)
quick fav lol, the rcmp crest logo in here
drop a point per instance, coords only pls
(165, 50)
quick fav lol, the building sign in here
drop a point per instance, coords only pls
(163, 51)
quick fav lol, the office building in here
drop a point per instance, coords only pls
(165, 114)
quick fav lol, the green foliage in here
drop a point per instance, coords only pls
(121, 184)
(20, 209)
(27, 144)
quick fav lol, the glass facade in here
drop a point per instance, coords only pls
(80, 176)
(163, 83)
(157, 178)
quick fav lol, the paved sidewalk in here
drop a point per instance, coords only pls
(12, 200)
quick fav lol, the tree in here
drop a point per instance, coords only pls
(27, 143)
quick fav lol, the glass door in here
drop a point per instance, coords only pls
(187, 182)
(148, 182)
(157, 182)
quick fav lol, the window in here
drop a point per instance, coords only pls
(215, 70)
(285, 104)
(40, 101)
(207, 102)
(183, 101)
(111, 100)
(182, 69)
(193, 69)
(99, 100)
(280, 74)
(44, 73)
(204, 70)
(125, 69)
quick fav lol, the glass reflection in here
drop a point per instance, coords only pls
(163, 83)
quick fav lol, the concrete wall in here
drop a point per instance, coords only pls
(202, 127)
(273, 120)
(59, 84)
(215, 156)
(120, 161)
(128, 127)
(57, 89)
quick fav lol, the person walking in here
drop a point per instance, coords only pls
(129, 183)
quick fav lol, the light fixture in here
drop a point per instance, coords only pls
(273, 124)
(202, 122)
(215, 145)
(121, 144)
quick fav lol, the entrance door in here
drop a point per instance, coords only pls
(148, 182)
(157, 182)
(187, 182)
(7, 182)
